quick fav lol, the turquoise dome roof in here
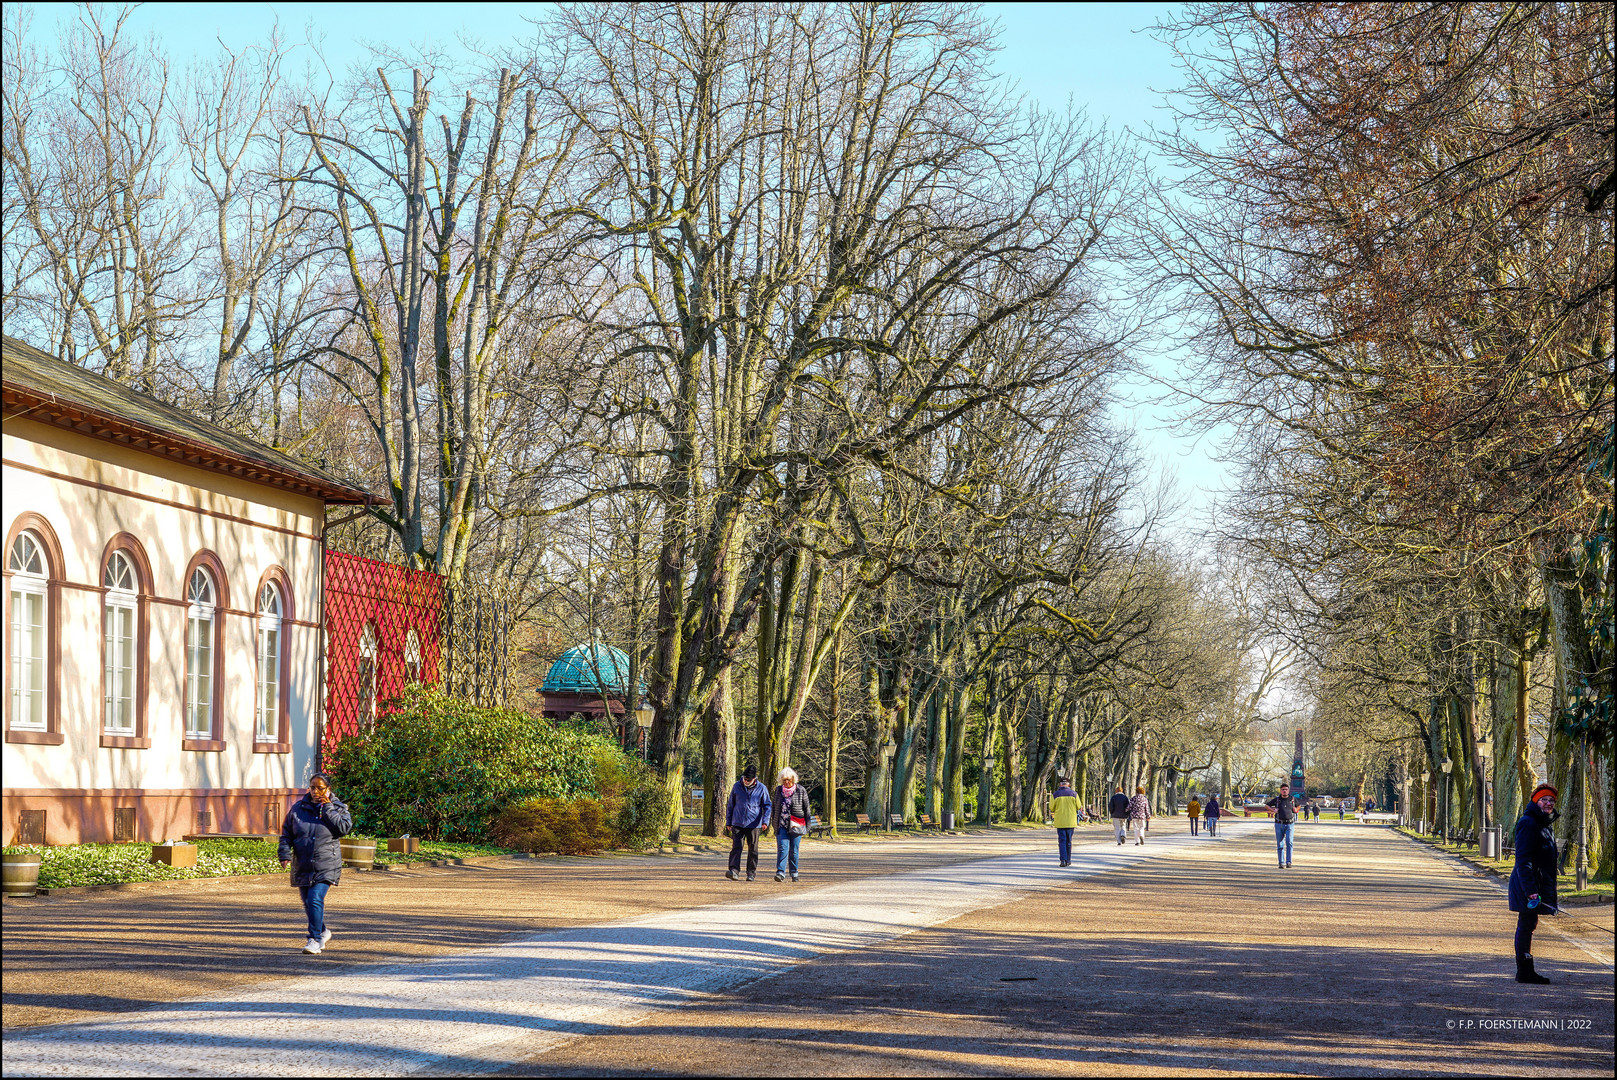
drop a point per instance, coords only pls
(589, 669)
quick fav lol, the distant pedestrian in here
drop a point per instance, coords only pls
(1285, 808)
(746, 815)
(1341, 809)
(1064, 808)
(1194, 810)
(1212, 811)
(1139, 815)
(1118, 807)
(1532, 882)
(790, 818)
(311, 845)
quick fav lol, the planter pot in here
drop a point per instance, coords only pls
(179, 856)
(359, 854)
(21, 875)
(404, 844)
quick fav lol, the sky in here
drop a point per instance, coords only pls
(1098, 57)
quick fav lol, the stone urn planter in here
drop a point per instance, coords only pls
(22, 871)
(359, 854)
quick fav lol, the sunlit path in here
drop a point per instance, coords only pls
(468, 1013)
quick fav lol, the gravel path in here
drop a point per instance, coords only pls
(481, 1010)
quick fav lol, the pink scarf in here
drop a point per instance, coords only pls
(787, 789)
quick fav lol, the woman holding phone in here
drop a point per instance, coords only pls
(310, 846)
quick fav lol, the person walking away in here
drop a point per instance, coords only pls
(1195, 812)
(1211, 814)
(1139, 815)
(1118, 807)
(311, 836)
(1285, 808)
(746, 814)
(789, 816)
(1064, 809)
(1532, 881)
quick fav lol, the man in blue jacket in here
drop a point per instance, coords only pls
(746, 815)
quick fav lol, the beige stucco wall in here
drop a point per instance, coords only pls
(89, 490)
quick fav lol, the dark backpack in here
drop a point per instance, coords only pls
(1119, 806)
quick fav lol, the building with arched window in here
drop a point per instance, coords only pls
(163, 597)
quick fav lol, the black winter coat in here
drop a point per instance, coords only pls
(1537, 860)
(309, 840)
(1119, 805)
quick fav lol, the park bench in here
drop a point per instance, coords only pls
(864, 822)
(1389, 818)
(818, 826)
(927, 822)
(896, 821)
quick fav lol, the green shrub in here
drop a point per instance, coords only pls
(440, 768)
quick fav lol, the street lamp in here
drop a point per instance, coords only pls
(644, 714)
(887, 751)
(986, 789)
(1448, 767)
(1425, 795)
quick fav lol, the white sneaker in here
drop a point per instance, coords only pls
(325, 937)
(312, 947)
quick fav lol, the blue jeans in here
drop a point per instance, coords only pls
(786, 846)
(1064, 843)
(314, 906)
(1283, 842)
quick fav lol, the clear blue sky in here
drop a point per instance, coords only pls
(1098, 56)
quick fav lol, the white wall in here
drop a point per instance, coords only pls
(100, 489)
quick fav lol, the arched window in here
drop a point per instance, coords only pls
(412, 656)
(367, 674)
(30, 619)
(201, 613)
(268, 698)
(120, 621)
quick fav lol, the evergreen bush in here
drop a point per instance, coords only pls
(440, 768)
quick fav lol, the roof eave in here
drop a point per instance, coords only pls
(22, 401)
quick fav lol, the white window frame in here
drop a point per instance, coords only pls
(200, 642)
(120, 627)
(28, 672)
(368, 650)
(412, 656)
(271, 642)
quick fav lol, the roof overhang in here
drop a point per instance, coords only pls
(45, 408)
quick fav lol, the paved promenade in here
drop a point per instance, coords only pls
(1185, 955)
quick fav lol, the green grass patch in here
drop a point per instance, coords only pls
(1564, 884)
(115, 864)
(433, 850)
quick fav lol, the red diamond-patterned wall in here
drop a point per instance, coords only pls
(391, 601)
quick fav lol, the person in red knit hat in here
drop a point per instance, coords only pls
(1532, 882)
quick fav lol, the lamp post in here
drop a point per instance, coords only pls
(1426, 796)
(644, 714)
(887, 751)
(985, 790)
(1448, 767)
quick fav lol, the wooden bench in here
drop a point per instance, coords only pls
(896, 822)
(818, 826)
(927, 822)
(864, 822)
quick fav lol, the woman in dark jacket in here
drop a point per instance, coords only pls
(790, 819)
(1532, 882)
(309, 843)
(1210, 812)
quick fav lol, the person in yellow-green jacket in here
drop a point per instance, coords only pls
(1064, 808)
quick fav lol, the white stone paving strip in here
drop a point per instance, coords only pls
(454, 1014)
